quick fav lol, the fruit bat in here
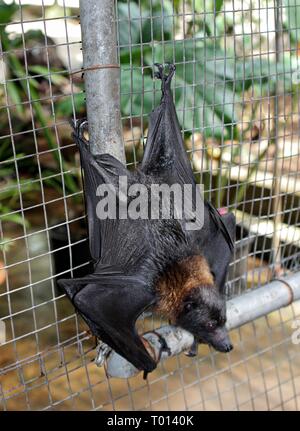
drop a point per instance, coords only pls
(157, 263)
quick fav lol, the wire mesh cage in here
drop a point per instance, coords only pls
(237, 96)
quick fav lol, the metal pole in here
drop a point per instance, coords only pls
(278, 156)
(240, 310)
(102, 77)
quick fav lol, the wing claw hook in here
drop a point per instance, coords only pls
(163, 345)
(103, 351)
(193, 350)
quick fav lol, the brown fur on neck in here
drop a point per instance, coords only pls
(184, 276)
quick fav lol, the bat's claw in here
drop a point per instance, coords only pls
(103, 350)
(160, 73)
(80, 126)
(78, 123)
(193, 351)
(164, 346)
(171, 67)
(170, 75)
(165, 78)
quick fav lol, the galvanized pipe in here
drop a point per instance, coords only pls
(259, 302)
(240, 310)
(102, 77)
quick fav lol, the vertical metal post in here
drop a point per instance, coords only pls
(102, 77)
(277, 203)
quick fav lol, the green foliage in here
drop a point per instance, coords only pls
(292, 9)
(20, 89)
(6, 13)
(209, 79)
(153, 21)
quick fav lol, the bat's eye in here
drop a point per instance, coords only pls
(222, 321)
(189, 306)
(210, 326)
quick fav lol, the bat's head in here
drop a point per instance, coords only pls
(203, 309)
(203, 313)
(197, 284)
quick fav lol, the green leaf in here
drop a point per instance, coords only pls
(218, 5)
(208, 6)
(15, 97)
(54, 76)
(14, 218)
(64, 107)
(145, 24)
(6, 12)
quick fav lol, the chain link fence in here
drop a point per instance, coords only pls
(237, 97)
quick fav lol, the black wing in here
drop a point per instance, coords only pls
(112, 240)
(110, 302)
(217, 251)
(98, 170)
(165, 154)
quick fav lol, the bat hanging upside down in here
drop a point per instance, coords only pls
(158, 263)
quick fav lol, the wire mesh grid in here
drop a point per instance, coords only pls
(236, 91)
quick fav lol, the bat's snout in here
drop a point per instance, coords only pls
(220, 340)
(226, 347)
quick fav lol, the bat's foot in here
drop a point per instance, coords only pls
(80, 126)
(165, 78)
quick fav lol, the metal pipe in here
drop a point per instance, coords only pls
(102, 77)
(259, 302)
(240, 310)
(278, 146)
